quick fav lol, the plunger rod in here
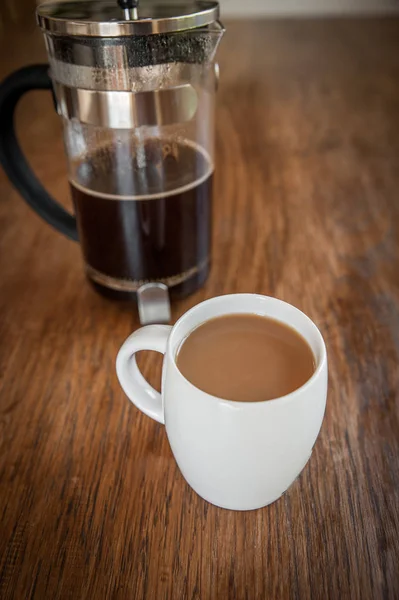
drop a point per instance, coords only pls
(129, 8)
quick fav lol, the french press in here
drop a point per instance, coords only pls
(135, 88)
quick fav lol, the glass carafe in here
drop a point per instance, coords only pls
(137, 99)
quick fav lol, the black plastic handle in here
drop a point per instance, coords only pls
(33, 77)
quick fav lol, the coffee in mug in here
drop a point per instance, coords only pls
(246, 358)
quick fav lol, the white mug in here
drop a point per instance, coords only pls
(237, 455)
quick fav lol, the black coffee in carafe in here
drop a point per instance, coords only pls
(144, 215)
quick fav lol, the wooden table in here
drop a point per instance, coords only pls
(92, 505)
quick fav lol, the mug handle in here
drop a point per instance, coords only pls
(136, 388)
(15, 165)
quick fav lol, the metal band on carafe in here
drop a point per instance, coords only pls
(127, 110)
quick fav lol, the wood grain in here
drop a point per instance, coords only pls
(92, 504)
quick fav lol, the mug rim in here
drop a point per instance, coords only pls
(231, 403)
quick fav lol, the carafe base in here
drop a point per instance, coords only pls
(181, 290)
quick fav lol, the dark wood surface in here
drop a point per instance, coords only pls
(92, 504)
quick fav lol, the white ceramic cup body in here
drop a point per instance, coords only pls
(237, 455)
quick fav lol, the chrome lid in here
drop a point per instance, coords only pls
(105, 18)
